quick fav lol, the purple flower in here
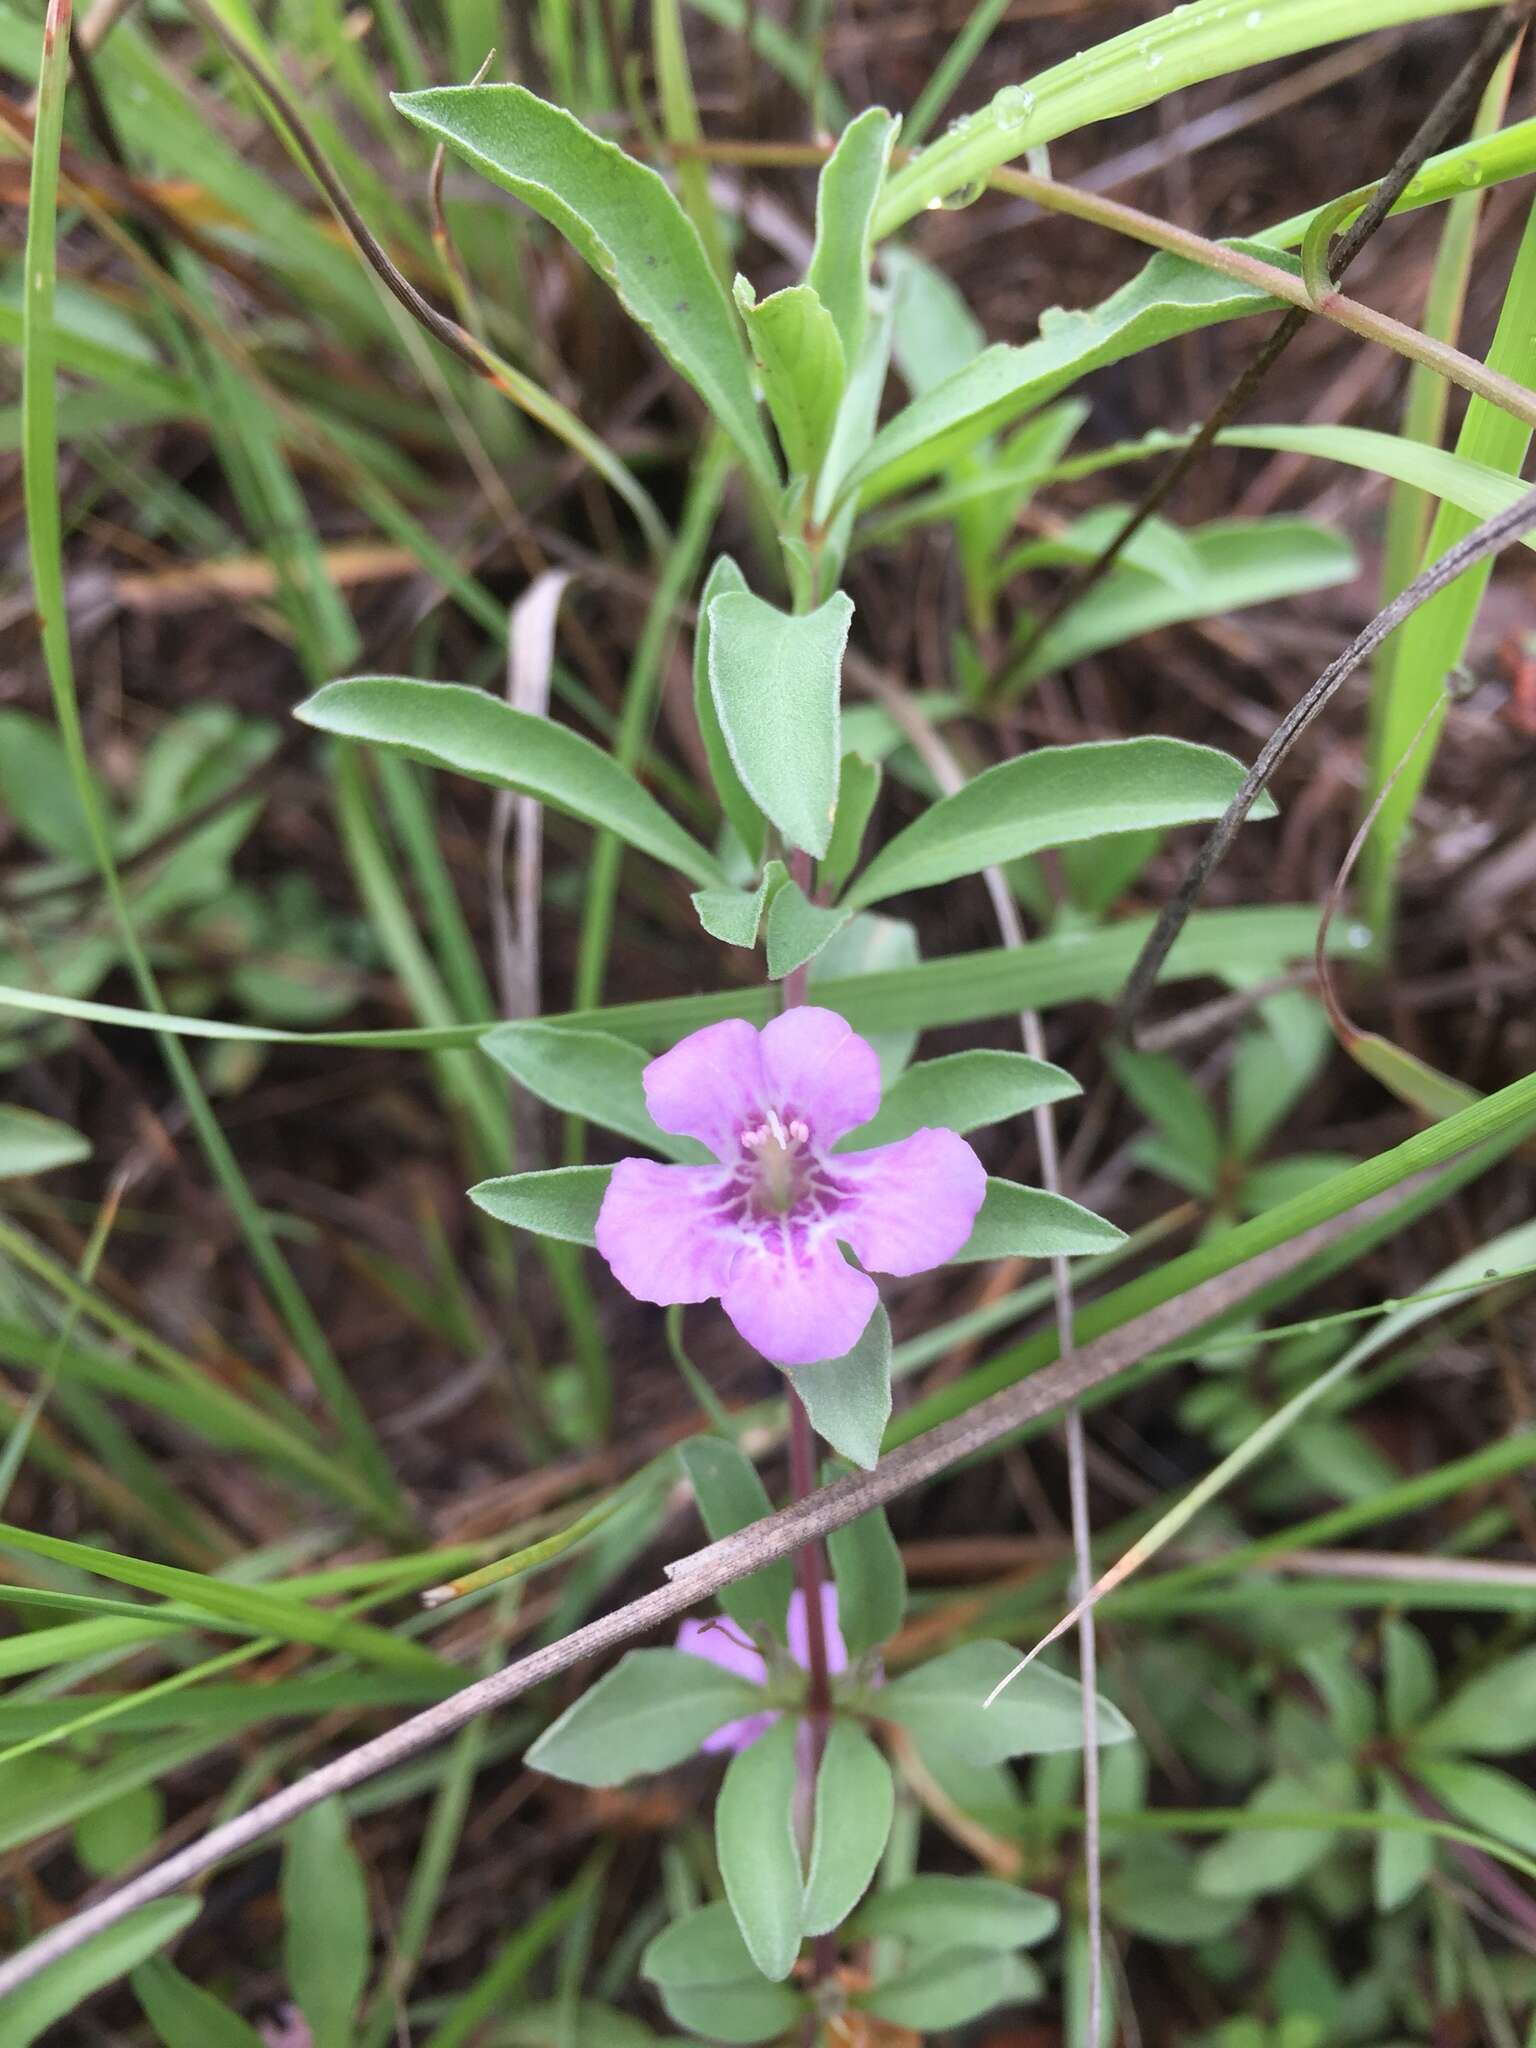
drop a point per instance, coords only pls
(719, 1643)
(761, 1230)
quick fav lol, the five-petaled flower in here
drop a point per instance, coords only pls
(762, 1229)
(719, 1643)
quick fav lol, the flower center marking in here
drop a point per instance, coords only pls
(778, 1151)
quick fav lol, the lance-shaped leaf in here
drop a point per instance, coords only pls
(962, 1091)
(798, 929)
(472, 733)
(755, 1845)
(33, 1143)
(590, 1074)
(776, 678)
(846, 193)
(561, 1202)
(943, 1702)
(748, 821)
(849, 1399)
(1050, 798)
(855, 1800)
(621, 217)
(1170, 296)
(730, 1495)
(1016, 1222)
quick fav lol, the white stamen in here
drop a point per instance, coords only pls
(799, 1130)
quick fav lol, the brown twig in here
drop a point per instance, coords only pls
(695, 1578)
(1454, 104)
(1482, 541)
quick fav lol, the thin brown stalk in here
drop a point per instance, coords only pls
(1455, 104)
(1483, 541)
(697, 1577)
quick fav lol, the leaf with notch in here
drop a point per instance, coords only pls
(800, 359)
(620, 216)
(472, 733)
(1050, 798)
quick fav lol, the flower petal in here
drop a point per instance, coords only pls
(816, 1066)
(718, 1643)
(799, 1634)
(910, 1205)
(709, 1086)
(660, 1230)
(794, 1297)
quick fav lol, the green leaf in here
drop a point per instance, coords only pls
(846, 194)
(730, 1495)
(186, 2016)
(1410, 1680)
(326, 1939)
(703, 1947)
(258, 1609)
(776, 679)
(1050, 798)
(1491, 1800)
(800, 359)
(1241, 563)
(1169, 296)
(849, 1399)
(936, 333)
(748, 821)
(1403, 1857)
(620, 217)
(940, 1913)
(755, 1846)
(60, 1989)
(1254, 1861)
(798, 929)
(962, 1091)
(755, 2011)
(709, 1982)
(1016, 1222)
(1163, 1092)
(1493, 1714)
(871, 1581)
(472, 733)
(947, 1990)
(649, 1712)
(858, 785)
(734, 915)
(37, 790)
(943, 1703)
(855, 1802)
(33, 1143)
(1153, 1893)
(589, 1073)
(560, 1202)
(118, 1833)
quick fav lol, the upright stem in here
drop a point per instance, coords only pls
(808, 1568)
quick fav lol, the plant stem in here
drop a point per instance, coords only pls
(810, 1568)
